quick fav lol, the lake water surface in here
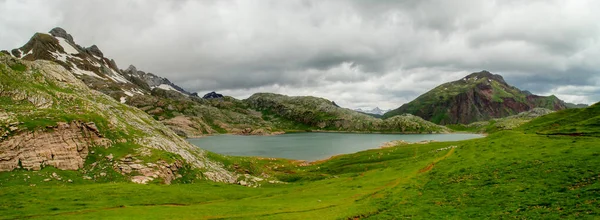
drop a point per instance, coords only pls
(310, 146)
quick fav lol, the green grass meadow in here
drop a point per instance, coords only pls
(507, 174)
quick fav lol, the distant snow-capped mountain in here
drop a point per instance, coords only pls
(376, 111)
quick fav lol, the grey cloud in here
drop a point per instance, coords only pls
(384, 53)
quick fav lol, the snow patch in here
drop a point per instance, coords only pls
(67, 46)
(78, 71)
(128, 93)
(138, 91)
(23, 55)
(123, 99)
(117, 77)
(168, 87)
(60, 56)
(94, 63)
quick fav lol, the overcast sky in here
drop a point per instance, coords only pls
(357, 53)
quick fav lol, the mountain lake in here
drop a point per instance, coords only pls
(310, 146)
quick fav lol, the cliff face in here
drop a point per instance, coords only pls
(477, 97)
(64, 146)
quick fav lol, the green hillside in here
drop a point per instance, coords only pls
(574, 122)
(522, 173)
(322, 114)
(480, 96)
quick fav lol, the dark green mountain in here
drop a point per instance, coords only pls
(476, 97)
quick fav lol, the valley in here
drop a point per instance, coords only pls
(81, 138)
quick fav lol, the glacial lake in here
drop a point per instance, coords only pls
(310, 146)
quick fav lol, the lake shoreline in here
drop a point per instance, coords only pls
(313, 146)
(329, 131)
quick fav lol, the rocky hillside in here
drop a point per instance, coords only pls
(192, 116)
(91, 66)
(479, 96)
(322, 114)
(48, 117)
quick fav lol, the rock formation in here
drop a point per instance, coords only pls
(64, 146)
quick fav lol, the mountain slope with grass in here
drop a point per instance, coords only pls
(498, 124)
(322, 114)
(479, 96)
(574, 122)
(48, 117)
(522, 173)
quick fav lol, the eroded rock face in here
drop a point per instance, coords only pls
(64, 147)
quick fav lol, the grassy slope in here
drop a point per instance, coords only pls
(507, 173)
(499, 124)
(313, 113)
(72, 101)
(582, 121)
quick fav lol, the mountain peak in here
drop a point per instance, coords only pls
(478, 96)
(59, 32)
(94, 50)
(485, 74)
(131, 69)
(212, 95)
(376, 111)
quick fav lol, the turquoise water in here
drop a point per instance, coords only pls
(310, 146)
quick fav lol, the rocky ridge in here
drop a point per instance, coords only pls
(150, 81)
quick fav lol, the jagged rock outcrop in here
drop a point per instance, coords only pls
(476, 97)
(212, 95)
(94, 50)
(59, 32)
(152, 81)
(64, 146)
